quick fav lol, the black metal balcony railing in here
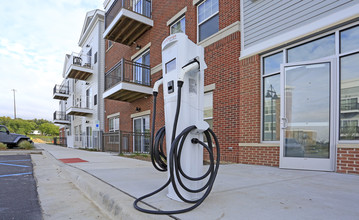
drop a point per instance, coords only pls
(349, 106)
(58, 115)
(61, 89)
(142, 7)
(127, 71)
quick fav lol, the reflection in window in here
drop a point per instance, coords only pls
(272, 63)
(208, 19)
(349, 96)
(313, 50)
(271, 105)
(349, 39)
(179, 26)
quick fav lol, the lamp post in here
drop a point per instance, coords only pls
(271, 93)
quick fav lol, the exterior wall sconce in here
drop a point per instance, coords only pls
(138, 109)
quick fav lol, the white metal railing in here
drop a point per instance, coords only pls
(78, 60)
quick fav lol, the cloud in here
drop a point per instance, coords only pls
(35, 36)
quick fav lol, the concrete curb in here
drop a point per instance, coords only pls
(113, 202)
(21, 152)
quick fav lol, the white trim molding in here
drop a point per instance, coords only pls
(177, 16)
(303, 31)
(225, 32)
(143, 49)
(113, 115)
(156, 69)
(348, 145)
(139, 114)
(210, 87)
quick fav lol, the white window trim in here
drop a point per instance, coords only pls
(184, 16)
(205, 20)
(337, 55)
(177, 17)
(143, 50)
(140, 114)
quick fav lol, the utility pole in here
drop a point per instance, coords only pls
(14, 104)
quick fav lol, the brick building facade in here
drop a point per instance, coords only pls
(243, 41)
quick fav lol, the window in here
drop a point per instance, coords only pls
(88, 98)
(349, 96)
(271, 97)
(208, 19)
(109, 44)
(142, 69)
(114, 124)
(339, 45)
(179, 26)
(95, 100)
(316, 49)
(95, 58)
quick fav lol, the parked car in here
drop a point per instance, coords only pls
(11, 139)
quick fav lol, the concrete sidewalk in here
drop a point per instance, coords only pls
(240, 191)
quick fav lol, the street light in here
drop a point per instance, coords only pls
(271, 93)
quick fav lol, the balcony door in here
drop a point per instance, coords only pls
(306, 116)
(141, 73)
(142, 7)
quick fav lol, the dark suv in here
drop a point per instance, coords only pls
(10, 139)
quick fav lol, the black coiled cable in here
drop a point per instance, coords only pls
(159, 159)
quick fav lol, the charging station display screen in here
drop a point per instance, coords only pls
(171, 65)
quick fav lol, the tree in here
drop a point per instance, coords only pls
(49, 129)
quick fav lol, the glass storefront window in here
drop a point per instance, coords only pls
(271, 64)
(313, 50)
(349, 39)
(349, 97)
(271, 105)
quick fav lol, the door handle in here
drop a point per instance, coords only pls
(284, 123)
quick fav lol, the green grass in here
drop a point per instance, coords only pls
(26, 145)
(3, 146)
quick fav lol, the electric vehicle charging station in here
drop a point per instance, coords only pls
(183, 68)
(177, 52)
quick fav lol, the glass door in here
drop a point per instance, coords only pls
(141, 127)
(306, 140)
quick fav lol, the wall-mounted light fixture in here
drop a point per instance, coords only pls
(138, 109)
(88, 45)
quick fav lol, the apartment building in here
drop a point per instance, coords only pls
(81, 107)
(135, 30)
(281, 87)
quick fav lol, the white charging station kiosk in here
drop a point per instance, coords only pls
(177, 52)
(183, 92)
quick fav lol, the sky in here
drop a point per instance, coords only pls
(35, 35)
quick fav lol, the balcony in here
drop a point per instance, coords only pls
(78, 67)
(127, 81)
(61, 92)
(80, 108)
(61, 118)
(126, 21)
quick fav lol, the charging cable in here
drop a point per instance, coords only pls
(159, 160)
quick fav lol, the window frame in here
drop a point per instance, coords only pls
(205, 20)
(113, 120)
(176, 22)
(337, 86)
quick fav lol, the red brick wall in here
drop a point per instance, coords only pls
(348, 160)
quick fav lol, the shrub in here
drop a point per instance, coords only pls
(26, 145)
(3, 146)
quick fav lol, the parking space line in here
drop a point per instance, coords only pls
(14, 165)
(13, 160)
(15, 174)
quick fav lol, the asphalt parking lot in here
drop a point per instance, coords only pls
(18, 193)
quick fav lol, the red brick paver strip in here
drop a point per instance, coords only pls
(72, 160)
